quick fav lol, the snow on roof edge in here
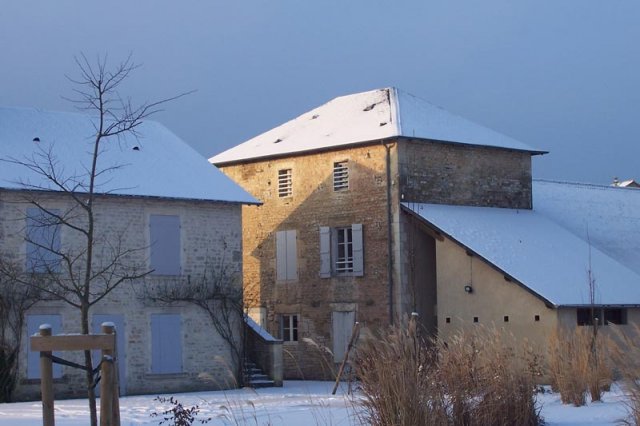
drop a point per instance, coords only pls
(546, 301)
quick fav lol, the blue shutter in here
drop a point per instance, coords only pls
(292, 256)
(325, 252)
(281, 255)
(43, 241)
(286, 255)
(166, 344)
(33, 358)
(358, 250)
(164, 234)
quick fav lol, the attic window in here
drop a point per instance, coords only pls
(383, 124)
(136, 148)
(341, 176)
(315, 116)
(278, 140)
(36, 139)
(285, 188)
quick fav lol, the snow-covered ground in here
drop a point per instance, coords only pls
(297, 403)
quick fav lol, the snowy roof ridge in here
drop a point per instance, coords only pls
(537, 251)
(365, 117)
(580, 184)
(157, 163)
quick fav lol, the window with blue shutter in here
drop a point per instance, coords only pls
(286, 255)
(33, 358)
(166, 343)
(43, 241)
(164, 233)
(341, 251)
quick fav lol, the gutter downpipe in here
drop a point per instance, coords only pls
(389, 230)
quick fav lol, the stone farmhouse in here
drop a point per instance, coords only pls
(379, 204)
(166, 204)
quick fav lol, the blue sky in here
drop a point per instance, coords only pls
(558, 75)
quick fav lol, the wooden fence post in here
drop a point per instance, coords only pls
(106, 381)
(46, 381)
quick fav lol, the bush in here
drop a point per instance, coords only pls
(178, 415)
(626, 356)
(578, 362)
(479, 378)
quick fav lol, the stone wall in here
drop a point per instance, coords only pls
(209, 232)
(447, 173)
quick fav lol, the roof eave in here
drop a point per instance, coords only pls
(146, 197)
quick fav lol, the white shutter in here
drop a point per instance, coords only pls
(281, 255)
(292, 256)
(325, 252)
(358, 250)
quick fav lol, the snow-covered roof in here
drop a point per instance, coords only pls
(156, 164)
(364, 117)
(539, 253)
(608, 217)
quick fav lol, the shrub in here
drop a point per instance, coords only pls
(479, 378)
(178, 415)
(578, 362)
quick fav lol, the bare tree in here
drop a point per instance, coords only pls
(217, 291)
(15, 300)
(86, 272)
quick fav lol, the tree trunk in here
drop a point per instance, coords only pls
(88, 362)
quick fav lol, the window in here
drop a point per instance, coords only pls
(584, 316)
(33, 358)
(164, 233)
(615, 316)
(286, 256)
(344, 250)
(610, 315)
(289, 328)
(285, 188)
(43, 241)
(166, 344)
(341, 251)
(341, 176)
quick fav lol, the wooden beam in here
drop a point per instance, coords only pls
(74, 342)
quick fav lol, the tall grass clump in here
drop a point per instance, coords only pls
(579, 363)
(626, 357)
(474, 378)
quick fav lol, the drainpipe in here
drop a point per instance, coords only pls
(389, 231)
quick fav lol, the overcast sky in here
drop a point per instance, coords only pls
(562, 76)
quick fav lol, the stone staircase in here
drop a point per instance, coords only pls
(254, 377)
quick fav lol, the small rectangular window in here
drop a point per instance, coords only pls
(615, 316)
(536, 318)
(341, 176)
(447, 320)
(587, 316)
(344, 250)
(506, 318)
(285, 187)
(475, 319)
(289, 328)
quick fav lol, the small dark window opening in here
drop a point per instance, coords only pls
(536, 318)
(447, 320)
(615, 316)
(506, 318)
(475, 319)
(586, 316)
